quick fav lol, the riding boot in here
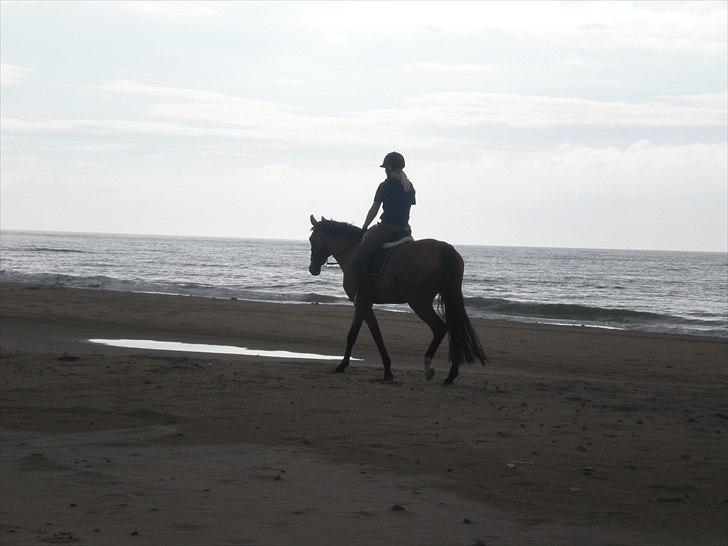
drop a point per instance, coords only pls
(364, 298)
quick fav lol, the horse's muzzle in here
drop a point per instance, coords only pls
(315, 270)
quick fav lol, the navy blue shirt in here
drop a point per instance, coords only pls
(396, 201)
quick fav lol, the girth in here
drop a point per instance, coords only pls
(377, 262)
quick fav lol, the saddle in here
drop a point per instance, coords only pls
(376, 263)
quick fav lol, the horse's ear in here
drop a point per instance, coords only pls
(322, 218)
(313, 221)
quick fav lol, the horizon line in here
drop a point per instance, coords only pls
(70, 232)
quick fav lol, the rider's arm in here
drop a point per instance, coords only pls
(371, 214)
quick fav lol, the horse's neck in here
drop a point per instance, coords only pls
(344, 255)
(343, 251)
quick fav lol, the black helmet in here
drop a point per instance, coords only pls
(393, 160)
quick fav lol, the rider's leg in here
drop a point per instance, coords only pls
(374, 238)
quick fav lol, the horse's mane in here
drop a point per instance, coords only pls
(335, 229)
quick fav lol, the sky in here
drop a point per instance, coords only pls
(598, 125)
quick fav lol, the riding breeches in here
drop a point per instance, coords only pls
(374, 238)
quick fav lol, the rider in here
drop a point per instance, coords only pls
(397, 195)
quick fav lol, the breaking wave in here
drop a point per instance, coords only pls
(590, 315)
(44, 249)
(698, 323)
(103, 282)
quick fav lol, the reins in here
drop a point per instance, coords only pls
(336, 255)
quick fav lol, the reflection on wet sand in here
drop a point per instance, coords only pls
(206, 348)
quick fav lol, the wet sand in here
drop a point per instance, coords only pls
(571, 436)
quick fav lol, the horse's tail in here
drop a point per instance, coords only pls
(464, 343)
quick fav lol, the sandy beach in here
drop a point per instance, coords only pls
(570, 436)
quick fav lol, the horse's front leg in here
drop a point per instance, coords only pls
(371, 321)
(351, 339)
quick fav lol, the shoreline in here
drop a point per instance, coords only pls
(572, 435)
(474, 313)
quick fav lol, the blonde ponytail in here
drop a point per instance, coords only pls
(402, 178)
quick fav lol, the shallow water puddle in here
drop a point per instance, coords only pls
(204, 348)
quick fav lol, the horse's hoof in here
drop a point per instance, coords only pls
(429, 374)
(388, 377)
(447, 381)
(340, 369)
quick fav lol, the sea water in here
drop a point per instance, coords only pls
(676, 292)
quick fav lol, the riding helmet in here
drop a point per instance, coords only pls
(393, 160)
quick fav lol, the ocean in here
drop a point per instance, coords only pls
(655, 291)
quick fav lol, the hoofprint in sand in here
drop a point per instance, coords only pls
(570, 436)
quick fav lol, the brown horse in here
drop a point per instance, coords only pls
(414, 274)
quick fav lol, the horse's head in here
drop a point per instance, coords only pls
(320, 251)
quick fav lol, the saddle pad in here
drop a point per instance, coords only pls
(376, 264)
(398, 242)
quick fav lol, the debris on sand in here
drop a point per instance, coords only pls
(61, 538)
(65, 357)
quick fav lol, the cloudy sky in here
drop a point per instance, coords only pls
(538, 124)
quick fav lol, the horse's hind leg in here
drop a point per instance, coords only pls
(425, 311)
(454, 370)
(373, 324)
(351, 339)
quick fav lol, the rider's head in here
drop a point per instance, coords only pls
(393, 161)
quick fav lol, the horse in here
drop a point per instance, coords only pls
(414, 274)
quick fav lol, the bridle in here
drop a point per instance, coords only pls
(321, 263)
(336, 255)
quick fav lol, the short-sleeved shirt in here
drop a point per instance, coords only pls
(396, 202)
